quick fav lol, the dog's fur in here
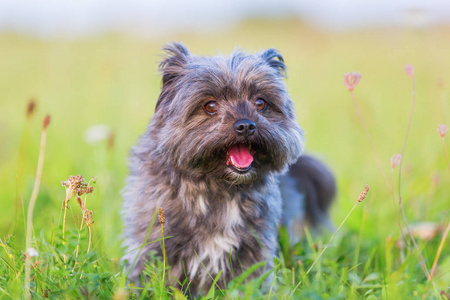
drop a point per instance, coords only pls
(220, 217)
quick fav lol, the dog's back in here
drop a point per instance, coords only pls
(307, 189)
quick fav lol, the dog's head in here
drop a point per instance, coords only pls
(229, 118)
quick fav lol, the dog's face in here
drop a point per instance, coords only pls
(228, 118)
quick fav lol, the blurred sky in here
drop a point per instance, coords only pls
(153, 18)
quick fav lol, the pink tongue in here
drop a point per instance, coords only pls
(240, 156)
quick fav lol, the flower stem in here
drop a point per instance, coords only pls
(445, 153)
(332, 237)
(371, 142)
(390, 187)
(31, 204)
(422, 261)
(164, 255)
(396, 214)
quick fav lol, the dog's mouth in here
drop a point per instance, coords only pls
(240, 157)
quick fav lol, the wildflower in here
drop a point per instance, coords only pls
(442, 129)
(35, 264)
(31, 252)
(395, 160)
(409, 69)
(363, 194)
(76, 186)
(351, 80)
(97, 133)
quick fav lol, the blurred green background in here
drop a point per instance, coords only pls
(112, 79)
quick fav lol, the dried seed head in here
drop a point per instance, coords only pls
(46, 122)
(31, 107)
(363, 194)
(409, 69)
(87, 215)
(442, 129)
(395, 160)
(351, 80)
(161, 216)
(76, 186)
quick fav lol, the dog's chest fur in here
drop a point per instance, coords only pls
(210, 230)
(214, 251)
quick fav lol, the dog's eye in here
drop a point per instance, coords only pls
(211, 107)
(260, 104)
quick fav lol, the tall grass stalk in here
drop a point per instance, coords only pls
(31, 107)
(361, 197)
(390, 187)
(32, 203)
(397, 215)
(162, 220)
(144, 243)
(422, 261)
(79, 236)
(442, 129)
(371, 141)
(438, 254)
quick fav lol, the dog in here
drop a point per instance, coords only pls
(222, 157)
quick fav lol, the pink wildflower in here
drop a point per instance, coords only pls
(409, 69)
(351, 80)
(395, 160)
(442, 129)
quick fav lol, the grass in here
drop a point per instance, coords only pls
(112, 79)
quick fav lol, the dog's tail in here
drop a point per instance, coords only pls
(308, 190)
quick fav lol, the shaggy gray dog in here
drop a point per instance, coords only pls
(223, 132)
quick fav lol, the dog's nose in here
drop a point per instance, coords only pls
(245, 127)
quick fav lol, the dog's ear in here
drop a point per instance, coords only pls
(171, 68)
(275, 60)
(175, 62)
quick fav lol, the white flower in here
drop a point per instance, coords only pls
(31, 252)
(97, 133)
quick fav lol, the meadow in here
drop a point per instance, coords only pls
(112, 79)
